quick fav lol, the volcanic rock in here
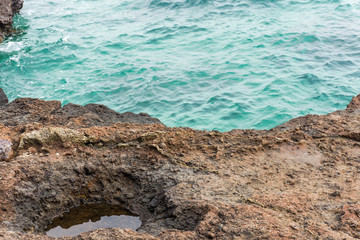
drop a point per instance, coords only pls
(8, 8)
(354, 104)
(299, 180)
(3, 98)
(5, 149)
(28, 110)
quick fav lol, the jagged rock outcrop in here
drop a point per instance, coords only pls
(28, 110)
(3, 98)
(299, 180)
(8, 8)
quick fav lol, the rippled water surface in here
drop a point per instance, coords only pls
(205, 64)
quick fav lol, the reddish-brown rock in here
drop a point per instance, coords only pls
(354, 104)
(299, 180)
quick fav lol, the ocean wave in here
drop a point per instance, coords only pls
(177, 4)
(218, 64)
(10, 47)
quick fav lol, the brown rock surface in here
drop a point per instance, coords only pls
(8, 8)
(3, 98)
(299, 180)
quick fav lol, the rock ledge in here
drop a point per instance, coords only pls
(299, 180)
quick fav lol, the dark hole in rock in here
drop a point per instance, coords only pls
(89, 217)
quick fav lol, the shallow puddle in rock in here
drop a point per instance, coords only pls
(90, 217)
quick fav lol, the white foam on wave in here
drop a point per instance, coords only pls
(16, 59)
(11, 47)
(65, 39)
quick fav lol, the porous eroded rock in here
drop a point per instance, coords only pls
(350, 220)
(354, 104)
(3, 98)
(27, 110)
(51, 135)
(8, 8)
(5, 149)
(299, 180)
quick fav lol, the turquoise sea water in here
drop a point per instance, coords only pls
(205, 64)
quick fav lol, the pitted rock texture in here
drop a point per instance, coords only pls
(3, 98)
(5, 149)
(27, 110)
(8, 8)
(299, 180)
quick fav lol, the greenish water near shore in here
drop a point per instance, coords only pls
(197, 63)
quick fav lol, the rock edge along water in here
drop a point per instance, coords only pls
(296, 181)
(3, 98)
(8, 8)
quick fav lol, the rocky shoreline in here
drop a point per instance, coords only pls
(8, 8)
(299, 180)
